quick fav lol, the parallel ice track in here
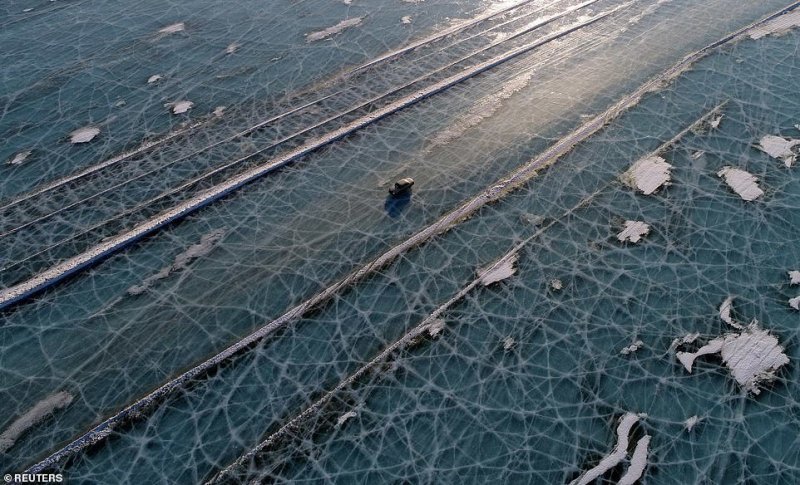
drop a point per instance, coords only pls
(92, 256)
(149, 145)
(140, 408)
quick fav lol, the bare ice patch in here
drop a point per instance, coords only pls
(19, 158)
(743, 183)
(634, 231)
(205, 246)
(181, 107)
(35, 415)
(752, 356)
(648, 174)
(505, 268)
(619, 453)
(777, 26)
(335, 29)
(780, 148)
(84, 135)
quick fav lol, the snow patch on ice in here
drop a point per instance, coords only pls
(795, 302)
(638, 462)
(405, 19)
(556, 284)
(35, 415)
(219, 111)
(616, 456)
(690, 423)
(725, 312)
(509, 343)
(19, 158)
(335, 29)
(794, 277)
(181, 107)
(743, 183)
(777, 26)
(436, 327)
(154, 78)
(232, 48)
(503, 269)
(84, 135)
(182, 260)
(648, 174)
(634, 231)
(173, 29)
(632, 348)
(780, 148)
(345, 417)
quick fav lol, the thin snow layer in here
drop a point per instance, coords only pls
(780, 148)
(180, 107)
(484, 108)
(634, 231)
(345, 417)
(35, 415)
(173, 29)
(84, 135)
(505, 268)
(205, 246)
(752, 356)
(776, 26)
(19, 157)
(324, 34)
(795, 303)
(616, 456)
(690, 423)
(648, 174)
(638, 462)
(743, 183)
(794, 277)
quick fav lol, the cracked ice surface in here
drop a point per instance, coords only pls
(544, 411)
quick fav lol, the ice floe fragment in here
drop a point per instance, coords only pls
(19, 158)
(632, 348)
(795, 302)
(335, 29)
(35, 415)
(794, 277)
(633, 232)
(776, 26)
(84, 135)
(616, 456)
(499, 271)
(743, 183)
(405, 19)
(173, 29)
(154, 78)
(638, 462)
(648, 174)
(780, 148)
(690, 423)
(752, 356)
(345, 417)
(181, 107)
